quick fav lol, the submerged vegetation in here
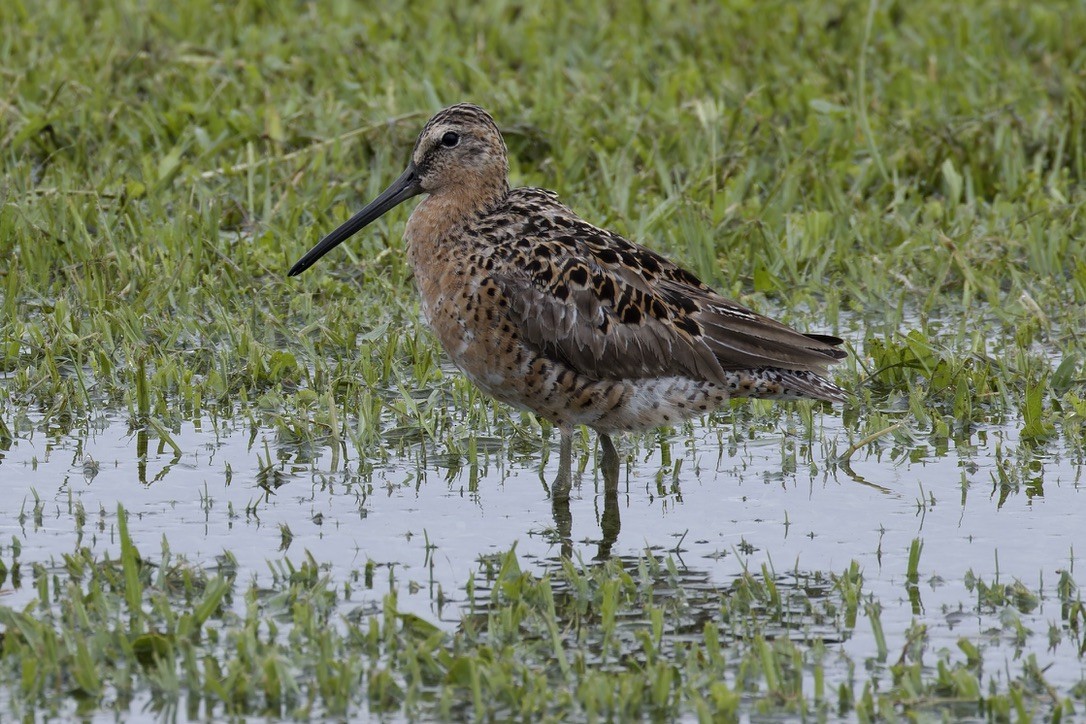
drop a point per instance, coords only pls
(909, 176)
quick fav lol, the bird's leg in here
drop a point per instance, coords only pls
(609, 464)
(562, 483)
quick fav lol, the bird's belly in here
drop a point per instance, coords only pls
(492, 355)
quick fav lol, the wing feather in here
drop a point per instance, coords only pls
(612, 309)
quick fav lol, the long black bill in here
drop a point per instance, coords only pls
(403, 188)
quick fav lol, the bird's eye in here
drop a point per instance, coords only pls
(450, 139)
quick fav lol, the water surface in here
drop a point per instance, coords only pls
(717, 496)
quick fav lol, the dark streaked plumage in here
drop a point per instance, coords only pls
(547, 312)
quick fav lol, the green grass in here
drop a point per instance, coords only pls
(164, 167)
(909, 175)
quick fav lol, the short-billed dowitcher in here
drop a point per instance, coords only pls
(549, 313)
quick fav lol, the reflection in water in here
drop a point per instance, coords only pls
(610, 521)
(846, 467)
(798, 605)
(141, 454)
(563, 520)
(142, 438)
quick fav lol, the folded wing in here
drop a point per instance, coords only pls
(615, 310)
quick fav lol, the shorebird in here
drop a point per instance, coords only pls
(546, 312)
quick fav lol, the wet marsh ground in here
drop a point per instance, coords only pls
(230, 493)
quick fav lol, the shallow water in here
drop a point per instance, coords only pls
(739, 500)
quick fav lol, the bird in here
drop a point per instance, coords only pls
(546, 312)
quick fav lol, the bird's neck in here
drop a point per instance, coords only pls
(437, 218)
